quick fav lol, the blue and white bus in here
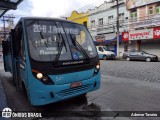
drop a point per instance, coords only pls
(52, 59)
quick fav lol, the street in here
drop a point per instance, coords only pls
(125, 86)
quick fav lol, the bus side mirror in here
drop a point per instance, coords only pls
(13, 39)
(6, 47)
(13, 34)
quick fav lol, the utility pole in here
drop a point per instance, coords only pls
(117, 28)
(9, 20)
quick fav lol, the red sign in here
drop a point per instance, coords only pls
(141, 34)
(100, 38)
(75, 84)
(156, 33)
(125, 36)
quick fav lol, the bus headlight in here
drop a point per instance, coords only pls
(96, 70)
(39, 75)
(43, 78)
(98, 66)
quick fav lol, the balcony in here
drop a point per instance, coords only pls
(147, 21)
(105, 29)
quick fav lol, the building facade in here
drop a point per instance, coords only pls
(103, 24)
(81, 18)
(144, 26)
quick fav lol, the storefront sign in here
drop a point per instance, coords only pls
(100, 38)
(125, 36)
(153, 33)
(105, 30)
(141, 34)
(156, 33)
(106, 37)
(137, 3)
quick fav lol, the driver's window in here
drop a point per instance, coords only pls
(81, 38)
(22, 49)
(18, 38)
(100, 49)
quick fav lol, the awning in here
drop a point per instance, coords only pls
(113, 38)
(6, 5)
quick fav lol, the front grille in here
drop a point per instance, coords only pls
(75, 90)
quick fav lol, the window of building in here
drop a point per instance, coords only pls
(85, 23)
(92, 23)
(158, 8)
(110, 19)
(133, 14)
(150, 11)
(121, 18)
(100, 22)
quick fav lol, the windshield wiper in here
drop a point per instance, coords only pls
(60, 47)
(79, 47)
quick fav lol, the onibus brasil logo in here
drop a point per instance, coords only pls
(7, 113)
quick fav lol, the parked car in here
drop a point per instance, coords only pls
(139, 55)
(105, 53)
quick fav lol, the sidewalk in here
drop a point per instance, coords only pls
(3, 102)
(2, 97)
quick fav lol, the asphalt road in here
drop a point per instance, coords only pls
(121, 90)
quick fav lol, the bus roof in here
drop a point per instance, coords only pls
(48, 18)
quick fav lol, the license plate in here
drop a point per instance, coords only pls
(75, 84)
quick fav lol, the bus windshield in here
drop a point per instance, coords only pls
(51, 40)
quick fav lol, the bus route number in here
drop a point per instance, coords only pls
(39, 28)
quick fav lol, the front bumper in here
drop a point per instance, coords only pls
(154, 59)
(53, 93)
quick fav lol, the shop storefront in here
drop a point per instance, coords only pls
(143, 40)
(109, 40)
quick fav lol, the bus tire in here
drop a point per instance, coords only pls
(24, 89)
(12, 79)
(83, 95)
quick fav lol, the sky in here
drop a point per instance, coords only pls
(53, 8)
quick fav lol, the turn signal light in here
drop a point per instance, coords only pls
(96, 70)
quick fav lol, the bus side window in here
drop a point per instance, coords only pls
(18, 39)
(22, 49)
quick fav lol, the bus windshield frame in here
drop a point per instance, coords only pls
(54, 40)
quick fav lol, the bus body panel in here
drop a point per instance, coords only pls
(43, 95)
(72, 77)
(40, 93)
